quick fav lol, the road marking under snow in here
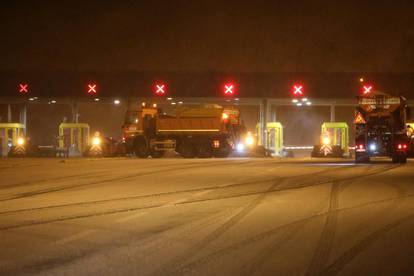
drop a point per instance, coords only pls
(134, 216)
(75, 237)
(202, 193)
(169, 204)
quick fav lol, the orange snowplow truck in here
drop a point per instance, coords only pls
(191, 131)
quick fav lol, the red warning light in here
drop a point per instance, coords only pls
(160, 89)
(366, 89)
(92, 88)
(23, 88)
(297, 90)
(229, 89)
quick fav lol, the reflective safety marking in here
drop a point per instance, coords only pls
(299, 147)
(188, 130)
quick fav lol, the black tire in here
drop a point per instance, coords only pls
(186, 149)
(361, 158)
(157, 153)
(221, 154)
(141, 148)
(399, 158)
(395, 159)
(204, 150)
(316, 152)
(337, 152)
(224, 150)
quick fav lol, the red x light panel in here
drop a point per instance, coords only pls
(160, 89)
(23, 88)
(367, 89)
(92, 89)
(298, 90)
(229, 89)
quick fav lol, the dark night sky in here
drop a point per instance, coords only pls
(232, 36)
(118, 38)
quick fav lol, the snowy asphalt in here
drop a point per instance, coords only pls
(127, 216)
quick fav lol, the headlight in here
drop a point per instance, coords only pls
(326, 141)
(96, 141)
(373, 147)
(20, 141)
(240, 147)
(249, 140)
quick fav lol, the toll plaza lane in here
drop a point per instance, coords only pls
(235, 216)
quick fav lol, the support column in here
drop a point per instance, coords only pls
(264, 118)
(273, 114)
(75, 113)
(23, 118)
(9, 114)
(332, 113)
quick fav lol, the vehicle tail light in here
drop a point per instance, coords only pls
(216, 144)
(402, 146)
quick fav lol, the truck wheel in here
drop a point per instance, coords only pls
(337, 152)
(157, 153)
(316, 151)
(221, 154)
(399, 158)
(186, 149)
(395, 159)
(361, 158)
(140, 148)
(204, 150)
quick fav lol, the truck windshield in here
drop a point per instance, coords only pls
(132, 117)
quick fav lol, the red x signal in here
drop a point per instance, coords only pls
(23, 88)
(298, 90)
(160, 89)
(367, 89)
(229, 89)
(92, 88)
